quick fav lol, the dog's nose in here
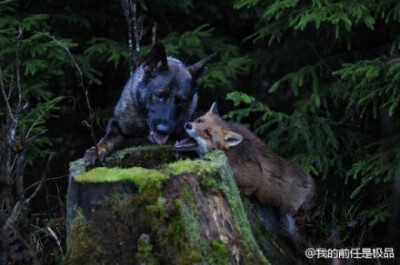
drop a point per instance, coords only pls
(162, 129)
(188, 126)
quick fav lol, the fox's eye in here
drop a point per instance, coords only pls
(207, 132)
(199, 120)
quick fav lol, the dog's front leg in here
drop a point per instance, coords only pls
(112, 140)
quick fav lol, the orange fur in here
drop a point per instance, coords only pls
(258, 171)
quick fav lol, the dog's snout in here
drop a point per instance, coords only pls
(188, 126)
(163, 128)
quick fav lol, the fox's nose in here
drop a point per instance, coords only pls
(188, 126)
(162, 129)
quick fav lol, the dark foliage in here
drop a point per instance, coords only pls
(318, 80)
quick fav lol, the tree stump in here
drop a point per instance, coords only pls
(147, 207)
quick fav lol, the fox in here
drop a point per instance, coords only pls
(258, 172)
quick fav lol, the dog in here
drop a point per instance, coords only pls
(159, 97)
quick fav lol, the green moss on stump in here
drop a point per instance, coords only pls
(123, 219)
(113, 235)
(219, 253)
(227, 184)
(147, 156)
(146, 178)
(144, 254)
(143, 178)
(180, 167)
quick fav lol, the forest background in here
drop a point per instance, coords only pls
(318, 80)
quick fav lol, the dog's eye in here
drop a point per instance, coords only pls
(158, 96)
(199, 120)
(179, 100)
(207, 132)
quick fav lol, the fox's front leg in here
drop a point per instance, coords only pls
(113, 139)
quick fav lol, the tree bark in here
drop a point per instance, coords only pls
(182, 212)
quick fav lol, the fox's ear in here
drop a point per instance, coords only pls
(157, 59)
(232, 138)
(214, 108)
(198, 69)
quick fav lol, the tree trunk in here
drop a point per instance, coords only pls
(155, 210)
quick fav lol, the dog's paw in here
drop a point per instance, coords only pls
(93, 156)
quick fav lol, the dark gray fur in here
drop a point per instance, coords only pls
(159, 97)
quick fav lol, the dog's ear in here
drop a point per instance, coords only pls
(199, 68)
(157, 60)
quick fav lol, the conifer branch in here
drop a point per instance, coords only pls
(76, 65)
(88, 124)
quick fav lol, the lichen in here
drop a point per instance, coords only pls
(196, 248)
(77, 167)
(189, 200)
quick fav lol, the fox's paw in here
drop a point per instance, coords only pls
(92, 156)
